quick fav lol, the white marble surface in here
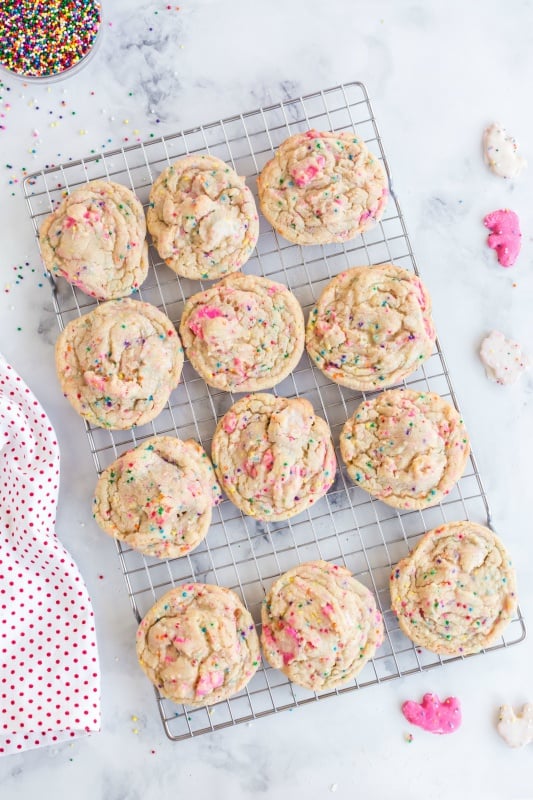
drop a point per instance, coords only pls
(437, 74)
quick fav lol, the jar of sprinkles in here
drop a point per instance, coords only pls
(46, 40)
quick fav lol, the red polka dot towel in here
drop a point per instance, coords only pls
(49, 675)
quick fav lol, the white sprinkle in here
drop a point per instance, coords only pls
(334, 787)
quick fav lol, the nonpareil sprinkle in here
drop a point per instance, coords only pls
(39, 38)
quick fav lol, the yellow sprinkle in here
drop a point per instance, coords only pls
(135, 730)
(134, 718)
(125, 121)
(135, 132)
(83, 132)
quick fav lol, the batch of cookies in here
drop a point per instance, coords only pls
(272, 456)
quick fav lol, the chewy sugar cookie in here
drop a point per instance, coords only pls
(202, 218)
(320, 625)
(244, 334)
(322, 188)
(198, 644)
(371, 327)
(456, 592)
(118, 364)
(406, 448)
(96, 240)
(158, 498)
(273, 456)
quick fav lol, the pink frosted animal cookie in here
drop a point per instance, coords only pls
(516, 729)
(505, 236)
(433, 715)
(503, 359)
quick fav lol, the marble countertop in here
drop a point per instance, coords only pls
(437, 74)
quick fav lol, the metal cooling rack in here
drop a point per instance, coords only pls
(347, 526)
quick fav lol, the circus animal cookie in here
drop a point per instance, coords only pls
(505, 236)
(516, 729)
(371, 327)
(406, 448)
(244, 334)
(432, 715)
(273, 456)
(320, 625)
(198, 644)
(118, 364)
(322, 187)
(202, 218)
(455, 593)
(500, 152)
(158, 498)
(95, 239)
(503, 359)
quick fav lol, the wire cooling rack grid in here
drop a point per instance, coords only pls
(347, 526)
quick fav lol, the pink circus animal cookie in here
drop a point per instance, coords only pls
(503, 358)
(433, 715)
(500, 152)
(505, 236)
(516, 729)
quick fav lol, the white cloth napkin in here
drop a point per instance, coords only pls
(49, 673)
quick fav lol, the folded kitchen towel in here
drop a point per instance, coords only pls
(49, 674)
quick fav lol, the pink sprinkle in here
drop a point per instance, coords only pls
(432, 715)
(505, 237)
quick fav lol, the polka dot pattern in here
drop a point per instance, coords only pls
(49, 673)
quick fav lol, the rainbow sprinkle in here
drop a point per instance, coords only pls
(40, 38)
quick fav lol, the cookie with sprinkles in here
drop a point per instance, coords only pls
(44, 38)
(118, 364)
(322, 188)
(320, 625)
(96, 240)
(406, 448)
(244, 334)
(202, 218)
(371, 328)
(455, 593)
(273, 456)
(158, 498)
(198, 644)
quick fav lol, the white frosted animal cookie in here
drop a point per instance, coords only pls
(516, 729)
(502, 358)
(500, 152)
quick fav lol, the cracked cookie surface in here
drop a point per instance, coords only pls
(158, 498)
(198, 644)
(321, 188)
(273, 456)
(244, 334)
(320, 625)
(371, 327)
(202, 218)
(118, 364)
(96, 240)
(406, 448)
(456, 592)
